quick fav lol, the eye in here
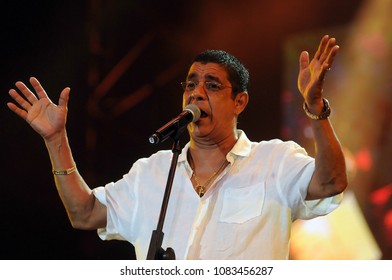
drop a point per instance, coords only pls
(190, 85)
(213, 86)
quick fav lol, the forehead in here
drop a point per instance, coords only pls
(208, 71)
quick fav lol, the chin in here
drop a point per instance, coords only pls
(202, 133)
(200, 128)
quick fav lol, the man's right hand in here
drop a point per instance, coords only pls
(45, 117)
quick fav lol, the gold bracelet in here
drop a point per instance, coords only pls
(324, 114)
(64, 172)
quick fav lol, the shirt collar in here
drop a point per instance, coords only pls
(183, 156)
(241, 148)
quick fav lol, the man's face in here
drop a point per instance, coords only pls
(208, 87)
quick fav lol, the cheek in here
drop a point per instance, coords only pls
(224, 111)
(225, 104)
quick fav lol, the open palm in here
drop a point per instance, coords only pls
(38, 110)
(311, 74)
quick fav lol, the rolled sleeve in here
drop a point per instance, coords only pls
(108, 232)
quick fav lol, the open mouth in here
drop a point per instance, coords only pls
(203, 114)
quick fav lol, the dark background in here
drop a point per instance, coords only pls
(77, 44)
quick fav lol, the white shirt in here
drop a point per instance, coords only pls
(246, 214)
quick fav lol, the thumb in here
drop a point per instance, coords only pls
(64, 97)
(303, 60)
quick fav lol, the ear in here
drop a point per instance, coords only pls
(240, 102)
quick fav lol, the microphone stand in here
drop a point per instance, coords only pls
(155, 251)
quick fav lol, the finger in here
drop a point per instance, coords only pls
(38, 88)
(19, 99)
(321, 48)
(330, 44)
(303, 60)
(21, 113)
(329, 52)
(331, 56)
(26, 92)
(326, 66)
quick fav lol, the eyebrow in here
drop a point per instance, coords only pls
(208, 77)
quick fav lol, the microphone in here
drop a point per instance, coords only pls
(191, 113)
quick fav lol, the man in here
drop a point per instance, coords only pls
(231, 198)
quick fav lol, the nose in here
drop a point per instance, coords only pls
(196, 96)
(199, 94)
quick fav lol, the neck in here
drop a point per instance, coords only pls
(206, 169)
(211, 144)
(205, 158)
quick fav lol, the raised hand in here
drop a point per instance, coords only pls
(45, 117)
(311, 74)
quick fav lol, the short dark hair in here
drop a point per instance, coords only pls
(238, 74)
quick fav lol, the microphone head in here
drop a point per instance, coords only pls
(194, 110)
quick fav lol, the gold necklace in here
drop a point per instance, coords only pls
(201, 189)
